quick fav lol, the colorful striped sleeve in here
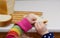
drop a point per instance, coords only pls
(15, 32)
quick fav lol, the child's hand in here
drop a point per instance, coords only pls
(31, 17)
(40, 27)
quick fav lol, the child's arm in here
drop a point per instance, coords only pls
(15, 32)
(23, 25)
(42, 30)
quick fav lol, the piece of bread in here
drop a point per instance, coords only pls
(42, 20)
(5, 20)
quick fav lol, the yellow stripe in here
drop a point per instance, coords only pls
(16, 30)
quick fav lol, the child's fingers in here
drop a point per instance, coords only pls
(36, 26)
(34, 22)
(40, 25)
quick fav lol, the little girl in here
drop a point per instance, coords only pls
(26, 24)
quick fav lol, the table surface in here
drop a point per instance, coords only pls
(18, 15)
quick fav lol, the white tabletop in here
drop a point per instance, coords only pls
(50, 9)
(7, 28)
